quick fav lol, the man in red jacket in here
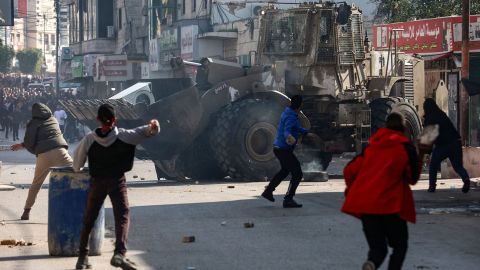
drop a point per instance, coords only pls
(378, 192)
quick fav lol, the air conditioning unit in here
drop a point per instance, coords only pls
(110, 31)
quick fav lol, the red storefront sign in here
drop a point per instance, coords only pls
(430, 36)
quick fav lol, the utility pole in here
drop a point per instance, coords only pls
(57, 47)
(463, 101)
(44, 30)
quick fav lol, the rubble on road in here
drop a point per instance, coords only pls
(188, 239)
(14, 242)
(248, 225)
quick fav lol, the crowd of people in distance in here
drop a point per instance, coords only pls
(16, 100)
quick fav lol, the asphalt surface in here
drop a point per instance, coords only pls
(317, 236)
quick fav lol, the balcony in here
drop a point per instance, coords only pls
(219, 35)
(95, 46)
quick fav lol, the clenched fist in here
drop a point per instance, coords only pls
(290, 140)
(154, 126)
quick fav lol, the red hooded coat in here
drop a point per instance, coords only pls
(378, 180)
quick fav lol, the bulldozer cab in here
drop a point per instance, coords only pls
(321, 46)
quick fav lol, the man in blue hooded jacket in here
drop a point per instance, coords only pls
(289, 131)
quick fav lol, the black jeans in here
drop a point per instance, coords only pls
(116, 189)
(381, 230)
(290, 165)
(452, 151)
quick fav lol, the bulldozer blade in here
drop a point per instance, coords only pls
(87, 109)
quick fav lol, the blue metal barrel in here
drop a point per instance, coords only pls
(67, 198)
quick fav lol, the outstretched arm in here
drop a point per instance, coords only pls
(138, 135)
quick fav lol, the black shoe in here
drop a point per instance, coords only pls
(466, 187)
(432, 189)
(118, 260)
(82, 262)
(268, 195)
(26, 214)
(291, 204)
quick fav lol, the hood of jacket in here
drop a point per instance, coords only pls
(41, 111)
(290, 112)
(105, 140)
(386, 137)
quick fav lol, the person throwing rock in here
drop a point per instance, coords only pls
(110, 152)
(44, 139)
(289, 131)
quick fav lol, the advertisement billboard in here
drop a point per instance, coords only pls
(6, 13)
(113, 68)
(427, 37)
(188, 38)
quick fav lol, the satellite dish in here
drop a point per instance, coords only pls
(344, 12)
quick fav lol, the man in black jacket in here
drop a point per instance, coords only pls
(110, 152)
(447, 145)
(44, 139)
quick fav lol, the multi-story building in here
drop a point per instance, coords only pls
(35, 27)
(108, 39)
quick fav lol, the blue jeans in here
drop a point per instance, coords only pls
(452, 151)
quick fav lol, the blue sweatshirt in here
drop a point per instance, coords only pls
(289, 125)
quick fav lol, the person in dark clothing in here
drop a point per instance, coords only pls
(110, 152)
(289, 131)
(378, 191)
(16, 110)
(448, 145)
(8, 119)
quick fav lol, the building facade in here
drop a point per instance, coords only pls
(439, 42)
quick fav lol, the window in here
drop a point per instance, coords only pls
(184, 6)
(285, 33)
(205, 3)
(105, 8)
(46, 39)
(194, 5)
(120, 18)
(52, 38)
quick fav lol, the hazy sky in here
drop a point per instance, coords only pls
(364, 5)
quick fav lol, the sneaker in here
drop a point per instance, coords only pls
(466, 187)
(26, 214)
(118, 260)
(268, 195)
(368, 265)
(82, 262)
(291, 204)
(432, 189)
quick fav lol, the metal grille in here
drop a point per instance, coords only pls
(286, 32)
(363, 124)
(357, 30)
(345, 44)
(408, 85)
(326, 46)
(87, 109)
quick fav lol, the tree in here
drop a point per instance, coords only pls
(406, 10)
(6, 56)
(30, 61)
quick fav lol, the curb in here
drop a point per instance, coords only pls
(6, 187)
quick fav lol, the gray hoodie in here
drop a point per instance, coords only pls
(127, 136)
(43, 132)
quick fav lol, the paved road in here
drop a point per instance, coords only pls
(317, 236)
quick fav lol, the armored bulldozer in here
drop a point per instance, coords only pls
(224, 123)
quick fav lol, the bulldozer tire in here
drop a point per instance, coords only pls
(198, 163)
(382, 107)
(243, 136)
